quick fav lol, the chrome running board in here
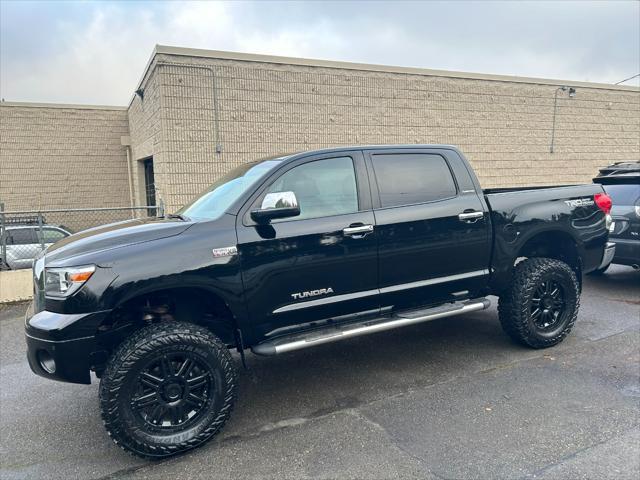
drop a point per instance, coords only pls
(341, 332)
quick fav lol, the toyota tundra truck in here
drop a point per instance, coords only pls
(296, 251)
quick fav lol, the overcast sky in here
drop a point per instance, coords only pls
(94, 52)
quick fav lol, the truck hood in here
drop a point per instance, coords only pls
(114, 235)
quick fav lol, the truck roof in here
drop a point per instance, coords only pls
(369, 147)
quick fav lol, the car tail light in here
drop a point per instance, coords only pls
(603, 201)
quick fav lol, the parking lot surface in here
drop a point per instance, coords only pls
(449, 399)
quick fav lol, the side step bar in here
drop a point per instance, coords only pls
(340, 332)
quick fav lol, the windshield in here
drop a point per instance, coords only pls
(221, 195)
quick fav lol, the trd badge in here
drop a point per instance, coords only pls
(224, 252)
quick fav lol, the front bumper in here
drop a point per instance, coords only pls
(56, 347)
(609, 252)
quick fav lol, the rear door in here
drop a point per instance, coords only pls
(433, 232)
(321, 265)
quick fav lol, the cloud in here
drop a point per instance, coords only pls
(94, 52)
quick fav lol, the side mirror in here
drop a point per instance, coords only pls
(276, 205)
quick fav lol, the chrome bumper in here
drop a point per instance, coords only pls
(609, 252)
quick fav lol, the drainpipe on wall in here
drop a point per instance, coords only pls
(572, 93)
(130, 175)
(126, 141)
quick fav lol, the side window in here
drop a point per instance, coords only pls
(21, 236)
(323, 187)
(410, 178)
(51, 235)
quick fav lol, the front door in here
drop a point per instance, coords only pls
(317, 267)
(429, 253)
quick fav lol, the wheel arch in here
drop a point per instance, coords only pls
(168, 303)
(553, 243)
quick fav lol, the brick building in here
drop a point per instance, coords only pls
(197, 114)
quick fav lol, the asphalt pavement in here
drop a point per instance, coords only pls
(449, 399)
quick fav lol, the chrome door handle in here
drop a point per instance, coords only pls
(359, 230)
(470, 216)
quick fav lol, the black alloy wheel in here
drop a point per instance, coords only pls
(172, 391)
(547, 305)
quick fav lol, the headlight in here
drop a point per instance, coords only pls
(63, 282)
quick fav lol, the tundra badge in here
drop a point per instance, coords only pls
(312, 293)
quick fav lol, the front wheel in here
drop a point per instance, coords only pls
(541, 305)
(168, 388)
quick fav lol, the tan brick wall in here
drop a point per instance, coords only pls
(504, 127)
(265, 108)
(62, 156)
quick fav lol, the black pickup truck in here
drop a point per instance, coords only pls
(292, 252)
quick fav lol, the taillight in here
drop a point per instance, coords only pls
(603, 201)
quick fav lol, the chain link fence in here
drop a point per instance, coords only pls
(24, 234)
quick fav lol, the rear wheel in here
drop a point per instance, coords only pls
(541, 306)
(167, 389)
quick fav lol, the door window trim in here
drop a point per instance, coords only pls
(363, 187)
(373, 181)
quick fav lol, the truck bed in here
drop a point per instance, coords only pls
(489, 191)
(521, 213)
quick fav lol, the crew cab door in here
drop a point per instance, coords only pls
(321, 264)
(432, 227)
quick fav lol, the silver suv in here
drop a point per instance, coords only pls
(25, 242)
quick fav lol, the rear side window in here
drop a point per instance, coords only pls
(21, 236)
(623, 194)
(410, 178)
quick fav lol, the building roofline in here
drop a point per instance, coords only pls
(253, 57)
(63, 105)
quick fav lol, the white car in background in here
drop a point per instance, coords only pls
(25, 242)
